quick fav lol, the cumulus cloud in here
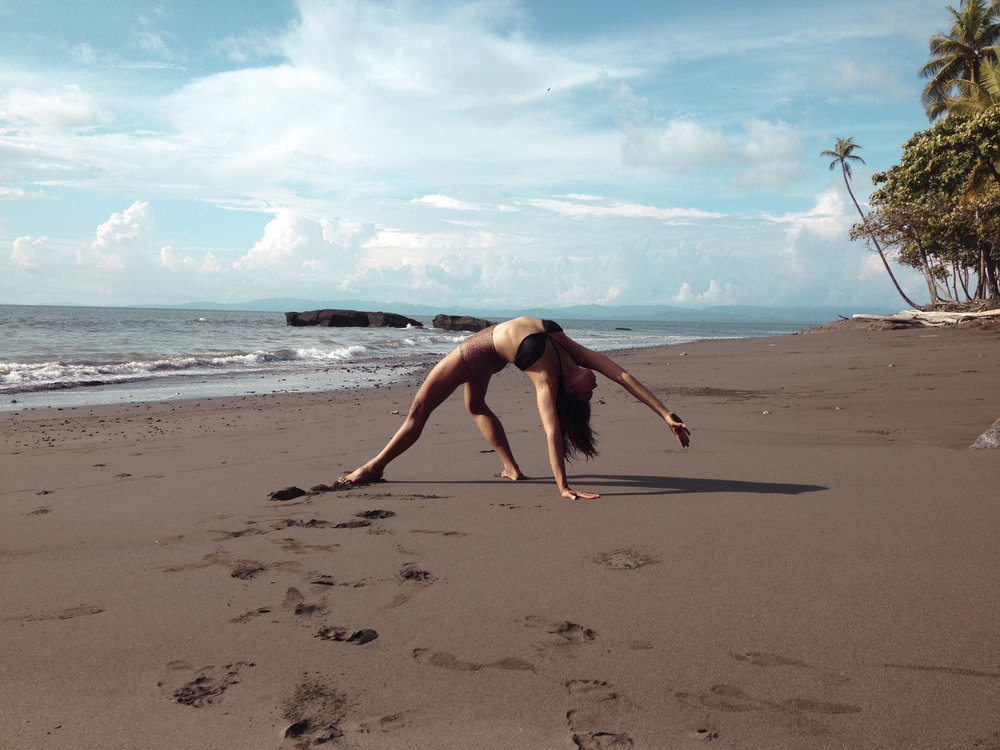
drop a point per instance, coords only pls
(826, 220)
(299, 244)
(289, 239)
(23, 255)
(716, 294)
(125, 233)
(174, 261)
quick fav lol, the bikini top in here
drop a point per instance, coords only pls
(532, 346)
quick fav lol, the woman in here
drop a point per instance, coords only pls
(562, 372)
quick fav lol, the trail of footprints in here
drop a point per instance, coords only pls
(598, 716)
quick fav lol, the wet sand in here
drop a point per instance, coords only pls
(818, 570)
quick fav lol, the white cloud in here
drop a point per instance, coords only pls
(619, 208)
(682, 143)
(289, 239)
(300, 245)
(174, 261)
(872, 267)
(24, 251)
(774, 151)
(121, 236)
(132, 226)
(64, 107)
(716, 294)
(443, 201)
(852, 78)
(826, 220)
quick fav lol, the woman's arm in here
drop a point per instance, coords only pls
(613, 371)
(545, 395)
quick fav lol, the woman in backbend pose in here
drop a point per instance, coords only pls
(564, 380)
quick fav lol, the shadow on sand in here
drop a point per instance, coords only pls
(619, 484)
(623, 484)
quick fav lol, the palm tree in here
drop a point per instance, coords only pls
(973, 99)
(976, 96)
(843, 154)
(958, 56)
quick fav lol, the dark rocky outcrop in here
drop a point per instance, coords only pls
(350, 319)
(460, 323)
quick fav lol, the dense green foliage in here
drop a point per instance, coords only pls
(938, 210)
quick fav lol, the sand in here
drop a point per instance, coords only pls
(818, 570)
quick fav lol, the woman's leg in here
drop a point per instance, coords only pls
(490, 426)
(440, 383)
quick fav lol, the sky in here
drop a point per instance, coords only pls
(486, 155)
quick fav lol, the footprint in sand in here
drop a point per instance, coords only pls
(625, 559)
(247, 569)
(795, 714)
(599, 715)
(358, 637)
(315, 711)
(199, 687)
(445, 660)
(250, 615)
(565, 629)
(66, 614)
(376, 515)
(761, 659)
(411, 572)
(296, 603)
(569, 633)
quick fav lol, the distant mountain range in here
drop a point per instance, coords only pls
(575, 312)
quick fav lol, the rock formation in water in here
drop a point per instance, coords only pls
(460, 323)
(350, 319)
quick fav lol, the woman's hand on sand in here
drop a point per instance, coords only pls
(680, 430)
(571, 494)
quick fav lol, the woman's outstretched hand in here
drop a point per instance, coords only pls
(571, 494)
(680, 430)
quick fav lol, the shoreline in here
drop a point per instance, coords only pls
(818, 569)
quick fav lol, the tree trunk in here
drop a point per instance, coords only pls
(932, 285)
(878, 247)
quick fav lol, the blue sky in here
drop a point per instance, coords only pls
(485, 154)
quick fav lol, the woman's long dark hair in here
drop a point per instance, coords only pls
(574, 421)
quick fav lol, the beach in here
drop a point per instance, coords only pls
(819, 569)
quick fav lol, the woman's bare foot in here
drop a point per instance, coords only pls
(512, 474)
(361, 475)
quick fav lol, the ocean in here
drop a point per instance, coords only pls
(60, 357)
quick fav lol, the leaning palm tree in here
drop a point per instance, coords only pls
(843, 155)
(975, 34)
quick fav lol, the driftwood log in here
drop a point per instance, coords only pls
(929, 319)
